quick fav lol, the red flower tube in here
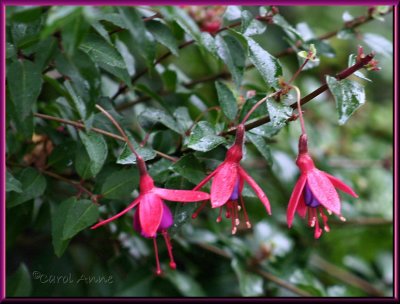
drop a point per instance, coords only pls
(227, 184)
(314, 192)
(152, 215)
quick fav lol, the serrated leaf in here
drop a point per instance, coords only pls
(262, 147)
(278, 113)
(379, 44)
(106, 56)
(227, 100)
(19, 283)
(232, 54)
(268, 66)
(203, 137)
(24, 81)
(120, 184)
(152, 116)
(97, 150)
(190, 168)
(33, 185)
(251, 26)
(144, 40)
(250, 285)
(349, 96)
(163, 35)
(80, 215)
(12, 184)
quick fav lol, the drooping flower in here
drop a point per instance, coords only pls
(228, 182)
(315, 193)
(152, 215)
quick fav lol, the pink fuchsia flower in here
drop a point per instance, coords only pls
(228, 182)
(152, 215)
(315, 193)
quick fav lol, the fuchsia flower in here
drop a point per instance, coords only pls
(227, 185)
(315, 192)
(152, 215)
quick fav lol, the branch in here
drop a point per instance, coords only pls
(356, 22)
(342, 75)
(260, 272)
(345, 276)
(81, 126)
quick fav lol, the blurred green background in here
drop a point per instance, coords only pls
(354, 259)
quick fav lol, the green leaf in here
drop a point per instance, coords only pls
(379, 44)
(97, 150)
(278, 113)
(203, 137)
(120, 184)
(250, 285)
(183, 118)
(186, 285)
(58, 17)
(251, 26)
(80, 215)
(174, 13)
(190, 168)
(265, 63)
(78, 103)
(307, 282)
(25, 14)
(262, 147)
(58, 218)
(25, 35)
(352, 61)
(73, 34)
(33, 185)
(159, 171)
(19, 283)
(144, 41)
(290, 31)
(44, 52)
(12, 184)
(163, 35)
(24, 80)
(126, 156)
(150, 117)
(349, 96)
(227, 100)
(106, 56)
(322, 48)
(231, 52)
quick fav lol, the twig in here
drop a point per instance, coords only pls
(93, 197)
(79, 125)
(342, 75)
(345, 276)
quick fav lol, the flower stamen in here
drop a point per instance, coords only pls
(167, 239)
(196, 213)
(158, 271)
(246, 218)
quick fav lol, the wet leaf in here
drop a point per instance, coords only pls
(349, 96)
(203, 137)
(227, 100)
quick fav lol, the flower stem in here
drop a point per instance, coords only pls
(140, 162)
(298, 94)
